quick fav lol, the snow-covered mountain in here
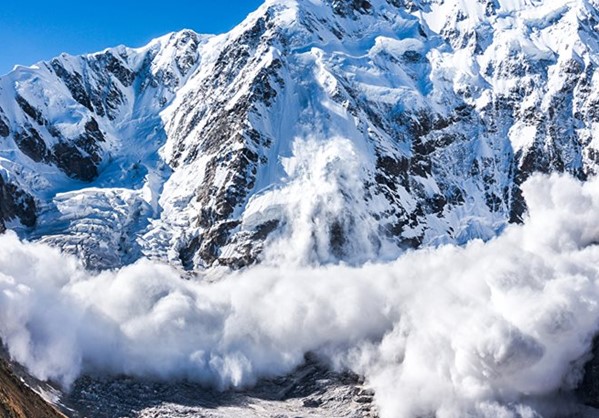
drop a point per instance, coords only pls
(349, 130)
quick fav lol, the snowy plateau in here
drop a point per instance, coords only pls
(340, 208)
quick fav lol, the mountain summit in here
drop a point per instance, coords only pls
(344, 130)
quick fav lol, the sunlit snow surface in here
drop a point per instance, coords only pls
(355, 95)
(490, 329)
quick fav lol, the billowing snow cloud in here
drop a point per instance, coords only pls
(487, 329)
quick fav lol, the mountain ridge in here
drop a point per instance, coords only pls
(190, 149)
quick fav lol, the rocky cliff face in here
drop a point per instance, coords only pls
(343, 130)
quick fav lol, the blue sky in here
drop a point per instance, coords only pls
(35, 30)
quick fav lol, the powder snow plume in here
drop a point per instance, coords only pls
(491, 329)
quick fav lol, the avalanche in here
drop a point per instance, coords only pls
(362, 169)
(490, 329)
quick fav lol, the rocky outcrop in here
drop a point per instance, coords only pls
(19, 401)
(4, 129)
(440, 120)
(16, 204)
(311, 390)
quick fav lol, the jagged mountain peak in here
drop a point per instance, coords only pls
(317, 14)
(403, 122)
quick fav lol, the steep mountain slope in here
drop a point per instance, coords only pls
(19, 401)
(80, 154)
(316, 131)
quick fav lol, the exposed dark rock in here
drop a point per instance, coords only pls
(213, 239)
(410, 5)
(337, 238)
(93, 130)
(4, 130)
(588, 389)
(188, 42)
(115, 67)
(188, 252)
(31, 111)
(264, 230)
(394, 168)
(32, 145)
(76, 165)
(74, 82)
(78, 158)
(16, 204)
(348, 7)
(89, 141)
(262, 89)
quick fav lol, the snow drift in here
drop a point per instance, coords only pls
(487, 329)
